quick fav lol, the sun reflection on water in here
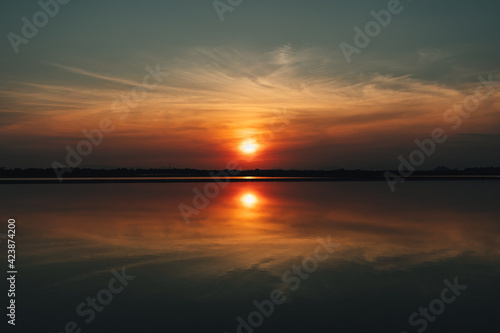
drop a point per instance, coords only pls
(249, 200)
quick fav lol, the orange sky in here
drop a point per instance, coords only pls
(200, 114)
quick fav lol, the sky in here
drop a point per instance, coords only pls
(161, 83)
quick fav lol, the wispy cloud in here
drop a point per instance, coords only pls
(90, 74)
(215, 97)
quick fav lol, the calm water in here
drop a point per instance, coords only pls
(394, 252)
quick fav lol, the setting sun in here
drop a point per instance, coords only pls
(249, 146)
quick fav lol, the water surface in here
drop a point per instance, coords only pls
(395, 251)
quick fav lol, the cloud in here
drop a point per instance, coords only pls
(216, 97)
(86, 73)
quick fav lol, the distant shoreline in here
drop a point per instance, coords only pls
(175, 175)
(238, 179)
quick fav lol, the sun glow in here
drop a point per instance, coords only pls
(249, 146)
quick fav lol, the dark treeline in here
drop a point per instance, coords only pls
(126, 172)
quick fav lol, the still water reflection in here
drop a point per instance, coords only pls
(394, 252)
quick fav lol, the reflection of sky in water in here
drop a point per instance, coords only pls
(395, 251)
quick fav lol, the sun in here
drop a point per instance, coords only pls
(249, 199)
(249, 146)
